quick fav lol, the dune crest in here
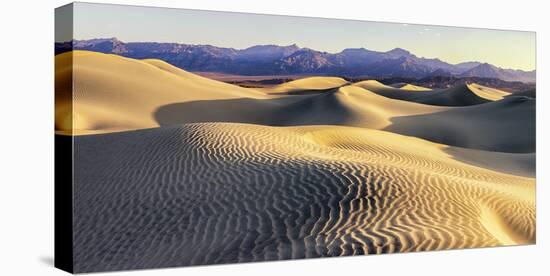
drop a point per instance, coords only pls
(488, 93)
(311, 84)
(409, 87)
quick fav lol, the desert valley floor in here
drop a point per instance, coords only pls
(175, 169)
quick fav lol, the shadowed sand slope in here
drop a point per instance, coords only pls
(522, 164)
(223, 192)
(532, 93)
(506, 125)
(460, 95)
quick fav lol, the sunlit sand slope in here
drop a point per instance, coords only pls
(113, 93)
(309, 84)
(223, 192)
(409, 87)
(488, 93)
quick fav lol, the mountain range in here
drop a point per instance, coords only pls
(291, 59)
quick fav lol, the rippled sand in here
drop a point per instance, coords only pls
(174, 169)
(222, 192)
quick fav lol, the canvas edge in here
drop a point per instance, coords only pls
(63, 175)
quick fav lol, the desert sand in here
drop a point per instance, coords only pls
(225, 192)
(113, 93)
(460, 95)
(411, 87)
(176, 169)
(309, 84)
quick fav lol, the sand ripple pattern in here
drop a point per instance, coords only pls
(212, 193)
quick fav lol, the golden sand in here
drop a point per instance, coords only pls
(327, 163)
(243, 192)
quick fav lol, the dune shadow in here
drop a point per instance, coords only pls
(507, 125)
(240, 110)
(233, 110)
(289, 110)
(532, 93)
(308, 91)
(521, 164)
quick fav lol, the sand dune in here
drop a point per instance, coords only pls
(460, 95)
(184, 170)
(485, 127)
(351, 106)
(306, 85)
(269, 193)
(347, 105)
(113, 93)
(488, 93)
(507, 125)
(407, 86)
(521, 164)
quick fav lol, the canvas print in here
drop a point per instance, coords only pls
(187, 137)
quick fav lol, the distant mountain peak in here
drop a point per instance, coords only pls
(440, 73)
(99, 40)
(361, 49)
(272, 46)
(399, 52)
(486, 65)
(282, 60)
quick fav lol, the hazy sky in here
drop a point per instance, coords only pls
(507, 49)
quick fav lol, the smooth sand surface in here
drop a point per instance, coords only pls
(507, 125)
(223, 192)
(532, 93)
(176, 169)
(522, 164)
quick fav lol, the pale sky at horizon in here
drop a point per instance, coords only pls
(506, 49)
